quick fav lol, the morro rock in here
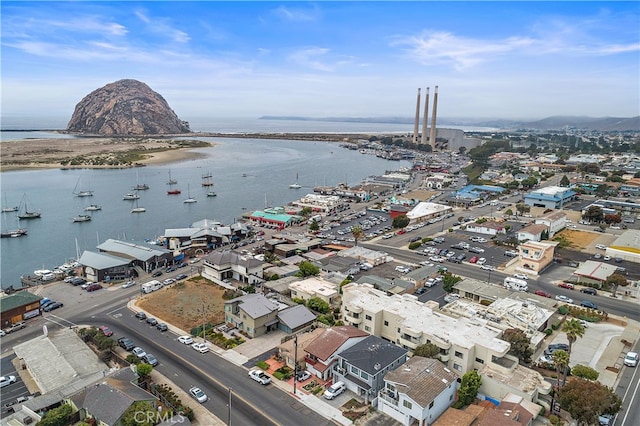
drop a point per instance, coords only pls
(126, 107)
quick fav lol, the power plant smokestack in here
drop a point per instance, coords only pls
(424, 119)
(432, 140)
(417, 121)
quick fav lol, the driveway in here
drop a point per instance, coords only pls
(252, 348)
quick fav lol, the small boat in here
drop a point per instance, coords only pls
(130, 196)
(26, 214)
(14, 233)
(174, 192)
(140, 186)
(82, 193)
(10, 209)
(82, 218)
(211, 194)
(206, 180)
(92, 208)
(171, 181)
(138, 209)
(295, 185)
(190, 199)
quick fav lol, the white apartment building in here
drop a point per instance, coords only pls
(465, 343)
(314, 287)
(555, 220)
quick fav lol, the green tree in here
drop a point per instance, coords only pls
(584, 372)
(561, 362)
(585, 400)
(594, 214)
(564, 181)
(313, 226)
(469, 386)
(427, 350)
(307, 269)
(306, 211)
(523, 208)
(357, 233)
(400, 221)
(616, 280)
(520, 344)
(140, 413)
(318, 305)
(573, 329)
(449, 280)
(60, 416)
(508, 212)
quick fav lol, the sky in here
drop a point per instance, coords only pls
(510, 60)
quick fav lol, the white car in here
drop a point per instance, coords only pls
(583, 323)
(601, 247)
(128, 284)
(521, 276)
(139, 352)
(334, 390)
(7, 380)
(563, 298)
(481, 261)
(187, 340)
(200, 347)
(547, 359)
(260, 377)
(631, 359)
(198, 394)
(487, 267)
(606, 258)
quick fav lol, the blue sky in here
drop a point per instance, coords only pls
(515, 60)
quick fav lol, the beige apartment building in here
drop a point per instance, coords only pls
(465, 343)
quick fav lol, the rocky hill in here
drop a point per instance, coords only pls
(125, 107)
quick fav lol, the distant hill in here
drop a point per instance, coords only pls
(549, 123)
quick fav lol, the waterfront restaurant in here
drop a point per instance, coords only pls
(274, 217)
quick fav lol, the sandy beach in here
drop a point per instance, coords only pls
(94, 153)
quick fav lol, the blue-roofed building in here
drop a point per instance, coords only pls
(473, 194)
(550, 197)
(275, 217)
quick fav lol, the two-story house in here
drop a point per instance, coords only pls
(253, 314)
(536, 255)
(322, 352)
(418, 392)
(315, 287)
(533, 232)
(231, 265)
(556, 221)
(363, 366)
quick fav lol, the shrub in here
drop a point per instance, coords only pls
(548, 332)
(262, 365)
(563, 310)
(414, 245)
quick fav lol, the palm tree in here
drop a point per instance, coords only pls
(573, 329)
(357, 233)
(561, 362)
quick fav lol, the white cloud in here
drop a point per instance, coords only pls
(297, 14)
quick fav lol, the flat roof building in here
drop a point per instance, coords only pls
(550, 197)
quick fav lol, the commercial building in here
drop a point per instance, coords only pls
(424, 211)
(550, 197)
(592, 272)
(626, 246)
(18, 307)
(533, 232)
(554, 220)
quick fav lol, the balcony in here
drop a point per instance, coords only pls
(355, 309)
(352, 320)
(408, 343)
(389, 397)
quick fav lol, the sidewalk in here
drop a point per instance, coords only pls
(313, 402)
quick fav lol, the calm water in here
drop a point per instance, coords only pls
(269, 165)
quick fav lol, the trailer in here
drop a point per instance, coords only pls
(151, 286)
(515, 284)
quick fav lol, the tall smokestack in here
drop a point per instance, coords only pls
(432, 140)
(424, 119)
(417, 121)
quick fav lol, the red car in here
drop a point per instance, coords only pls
(474, 259)
(542, 293)
(400, 232)
(94, 287)
(566, 285)
(105, 330)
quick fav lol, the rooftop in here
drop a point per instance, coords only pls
(315, 285)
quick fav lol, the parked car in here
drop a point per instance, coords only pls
(588, 304)
(16, 326)
(150, 359)
(605, 419)
(474, 259)
(542, 293)
(156, 274)
(187, 340)
(631, 359)
(7, 380)
(200, 347)
(198, 394)
(51, 306)
(171, 269)
(128, 284)
(564, 299)
(94, 287)
(260, 377)
(180, 277)
(511, 253)
(152, 321)
(589, 290)
(302, 376)
(125, 343)
(487, 267)
(556, 347)
(162, 326)
(141, 315)
(334, 390)
(105, 330)
(481, 261)
(139, 352)
(521, 276)
(566, 285)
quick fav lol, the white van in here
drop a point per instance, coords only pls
(515, 284)
(151, 286)
(334, 390)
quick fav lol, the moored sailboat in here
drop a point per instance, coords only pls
(82, 218)
(24, 212)
(137, 208)
(14, 233)
(81, 193)
(92, 208)
(171, 181)
(295, 185)
(190, 199)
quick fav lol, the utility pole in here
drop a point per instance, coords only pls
(204, 334)
(229, 414)
(295, 362)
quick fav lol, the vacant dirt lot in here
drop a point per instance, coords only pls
(579, 239)
(182, 303)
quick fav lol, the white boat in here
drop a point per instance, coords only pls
(295, 185)
(92, 208)
(24, 212)
(82, 218)
(171, 181)
(190, 199)
(211, 194)
(41, 272)
(140, 186)
(138, 209)
(81, 193)
(9, 209)
(131, 196)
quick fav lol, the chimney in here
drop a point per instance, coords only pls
(424, 119)
(432, 140)
(417, 120)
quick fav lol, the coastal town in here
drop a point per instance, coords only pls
(493, 281)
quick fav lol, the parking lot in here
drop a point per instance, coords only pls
(12, 392)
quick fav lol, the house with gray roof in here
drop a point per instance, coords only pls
(146, 256)
(205, 233)
(418, 392)
(295, 318)
(231, 265)
(393, 286)
(100, 266)
(253, 314)
(322, 353)
(363, 366)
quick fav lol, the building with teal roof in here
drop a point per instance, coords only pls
(275, 217)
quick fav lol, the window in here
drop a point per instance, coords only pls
(431, 404)
(367, 328)
(407, 404)
(480, 361)
(458, 354)
(364, 375)
(457, 367)
(386, 323)
(354, 370)
(367, 317)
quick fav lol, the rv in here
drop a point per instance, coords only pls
(515, 284)
(151, 286)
